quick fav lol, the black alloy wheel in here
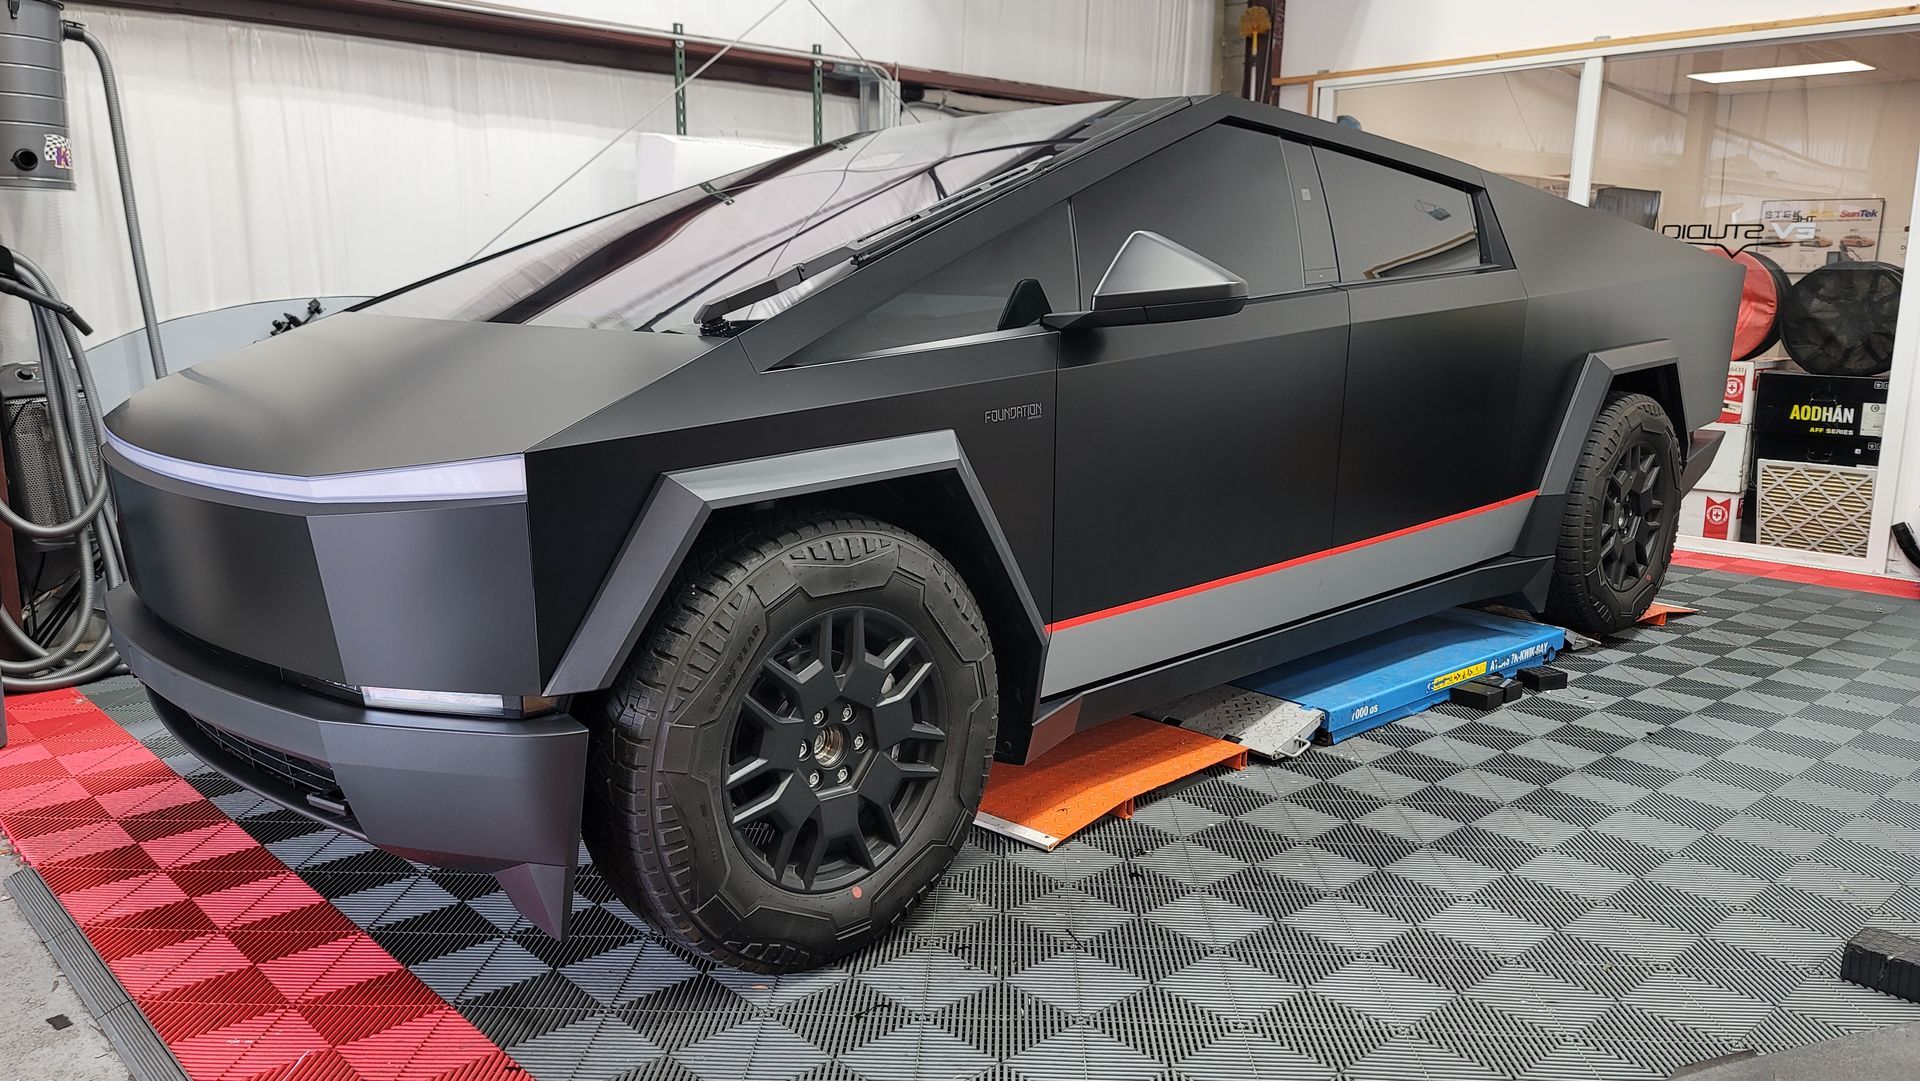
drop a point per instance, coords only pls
(1634, 515)
(1622, 510)
(835, 749)
(797, 746)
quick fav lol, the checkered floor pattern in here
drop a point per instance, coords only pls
(1654, 867)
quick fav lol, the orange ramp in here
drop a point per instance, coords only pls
(1103, 769)
(1658, 613)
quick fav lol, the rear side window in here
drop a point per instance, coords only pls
(1213, 193)
(1389, 223)
(967, 295)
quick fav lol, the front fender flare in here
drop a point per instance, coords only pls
(671, 521)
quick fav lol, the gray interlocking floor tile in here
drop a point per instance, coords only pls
(1653, 866)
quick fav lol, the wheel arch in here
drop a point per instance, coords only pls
(921, 483)
(1651, 368)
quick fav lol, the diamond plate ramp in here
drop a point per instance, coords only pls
(1270, 727)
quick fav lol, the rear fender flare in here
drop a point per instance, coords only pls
(1657, 365)
(671, 522)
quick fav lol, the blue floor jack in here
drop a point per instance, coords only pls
(1352, 688)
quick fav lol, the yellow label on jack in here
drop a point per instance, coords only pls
(1441, 683)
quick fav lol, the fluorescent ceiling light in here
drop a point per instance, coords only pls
(1790, 71)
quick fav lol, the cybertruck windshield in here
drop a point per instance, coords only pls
(652, 266)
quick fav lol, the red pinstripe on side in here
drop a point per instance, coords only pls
(1259, 572)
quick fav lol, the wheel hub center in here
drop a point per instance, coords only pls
(830, 746)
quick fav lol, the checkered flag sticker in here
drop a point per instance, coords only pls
(59, 151)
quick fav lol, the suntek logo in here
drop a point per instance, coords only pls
(1822, 414)
(1777, 230)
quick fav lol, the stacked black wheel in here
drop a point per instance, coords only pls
(1839, 319)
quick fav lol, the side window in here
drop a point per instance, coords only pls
(967, 295)
(1212, 192)
(1388, 223)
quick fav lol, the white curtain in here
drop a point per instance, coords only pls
(276, 163)
(1127, 48)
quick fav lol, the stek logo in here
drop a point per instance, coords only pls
(1774, 230)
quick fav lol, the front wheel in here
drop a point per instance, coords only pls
(798, 744)
(1616, 535)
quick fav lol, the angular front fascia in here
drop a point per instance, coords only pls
(427, 596)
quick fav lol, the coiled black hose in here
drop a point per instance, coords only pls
(74, 419)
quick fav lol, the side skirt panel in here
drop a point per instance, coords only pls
(1063, 715)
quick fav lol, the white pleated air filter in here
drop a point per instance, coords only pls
(1814, 507)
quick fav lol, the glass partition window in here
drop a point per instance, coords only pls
(1798, 159)
(1801, 167)
(1516, 123)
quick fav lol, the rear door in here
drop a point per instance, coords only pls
(1189, 453)
(1433, 361)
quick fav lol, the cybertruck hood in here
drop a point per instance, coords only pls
(358, 392)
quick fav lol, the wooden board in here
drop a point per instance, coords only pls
(1101, 770)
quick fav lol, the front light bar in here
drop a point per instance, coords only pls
(475, 478)
(478, 705)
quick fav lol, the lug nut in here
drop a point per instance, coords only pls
(813, 780)
(803, 749)
(820, 717)
(846, 713)
(841, 776)
(859, 741)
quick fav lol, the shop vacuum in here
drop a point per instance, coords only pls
(66, 549)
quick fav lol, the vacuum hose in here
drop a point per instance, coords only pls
(74, 419)
(118, 129)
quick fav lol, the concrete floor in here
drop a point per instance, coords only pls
(32, 991)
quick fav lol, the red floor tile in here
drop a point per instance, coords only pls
(241, 967)
(1813, 576)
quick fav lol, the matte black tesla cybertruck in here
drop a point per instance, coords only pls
(738, 530)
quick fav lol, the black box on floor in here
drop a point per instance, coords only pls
(1476, 694)
(1850, 408)
(1883, 961)
(1543, 679)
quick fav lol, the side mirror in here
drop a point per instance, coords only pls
(1154, 280)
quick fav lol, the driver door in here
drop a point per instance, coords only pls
(1192, 455)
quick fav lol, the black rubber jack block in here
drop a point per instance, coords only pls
(1543, 679)
(1477, 695)
(1883, 961)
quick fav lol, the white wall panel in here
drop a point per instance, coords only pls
(1122, 47)
(1342, 35)
(272, 162)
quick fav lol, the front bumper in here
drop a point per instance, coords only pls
(501, 796)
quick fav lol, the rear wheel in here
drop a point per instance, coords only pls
(798, 744)
(1616, 535)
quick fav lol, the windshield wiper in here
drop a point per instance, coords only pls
(711, 316)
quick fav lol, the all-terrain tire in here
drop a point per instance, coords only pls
(1592, 591)
(662, 810)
